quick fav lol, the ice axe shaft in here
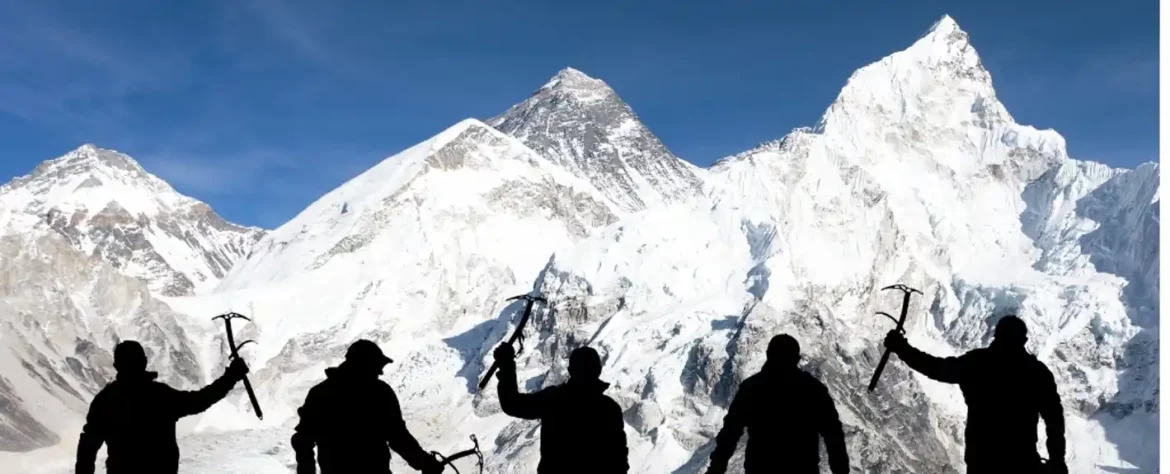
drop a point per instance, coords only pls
(880, 367)
(227, 321)
(517, 335)
(900, 322)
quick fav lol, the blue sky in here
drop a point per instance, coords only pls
(258, 107)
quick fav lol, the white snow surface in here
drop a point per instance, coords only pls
(105, 204)
(916, 174)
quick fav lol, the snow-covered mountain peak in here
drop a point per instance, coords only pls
(574, 84)
(90, 176)
(449, 149)
(948, 45)
(105, 204)
(90, 155)
(945, 27)
(442, 138)
(940, 70)
(937, 91)
(583, 125)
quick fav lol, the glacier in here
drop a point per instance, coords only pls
(678, 275)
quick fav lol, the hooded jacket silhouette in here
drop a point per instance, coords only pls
(1007, 390)
(581, 428)
(134, 416)
(353, 419)
(785, 411)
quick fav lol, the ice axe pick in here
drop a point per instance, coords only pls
(227, 321)
(517, 335)
(899, 324)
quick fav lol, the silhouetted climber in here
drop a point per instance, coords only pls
(581, 429)
(353, 419)
(784, 410)
(1007, 390)
(135, 416)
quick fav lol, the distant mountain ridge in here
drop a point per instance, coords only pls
(105, 204)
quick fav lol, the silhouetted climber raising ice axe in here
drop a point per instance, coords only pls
(581, 429)
(1007, 391)
(353, 419)
(135, 416)
(784, 409)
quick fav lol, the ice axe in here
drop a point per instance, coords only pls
(899, 323)
(517, 336)
(227, 321)
(447, 461)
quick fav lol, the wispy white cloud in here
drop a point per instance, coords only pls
(257, 170)
(311, 31)
(259, 186)
(291, 27)
(218, 174)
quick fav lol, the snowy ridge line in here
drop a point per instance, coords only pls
(366, 197)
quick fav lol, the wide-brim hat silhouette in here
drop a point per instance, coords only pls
(366, 352)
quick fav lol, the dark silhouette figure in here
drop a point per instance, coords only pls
(135, 416)
(581, 429)
(784, 410)
(353, 419)
(1007, 390)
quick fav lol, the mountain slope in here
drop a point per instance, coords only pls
(88, 243)
(106, 205)
(422, 246)
(61, 314)
(916, 174)
(487, 173)
(581, 124)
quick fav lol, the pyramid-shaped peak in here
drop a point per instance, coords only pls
(91, 151)
(572, 74)
(944, 27)
(88, 168)
(944, 37)
(455, 130)
(90, 156)
(581, 124)
(941, 67)
(574, 80)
